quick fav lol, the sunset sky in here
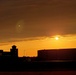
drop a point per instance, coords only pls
(32, 25)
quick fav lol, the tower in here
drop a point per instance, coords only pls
(14, 51)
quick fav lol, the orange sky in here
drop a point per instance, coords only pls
(32, 25)
(30, 47)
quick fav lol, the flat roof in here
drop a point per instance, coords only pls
(57, 49)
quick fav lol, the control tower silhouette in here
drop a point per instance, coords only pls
(14, 51)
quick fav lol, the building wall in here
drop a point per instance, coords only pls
(14, 51)
(1, 52)
(55, 54)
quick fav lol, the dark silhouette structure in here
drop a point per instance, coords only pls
(46, 60)
(57, 54)
(13, 52)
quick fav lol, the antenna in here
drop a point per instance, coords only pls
(24, 52)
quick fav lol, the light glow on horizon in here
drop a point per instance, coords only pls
(57, 38)
(32, 46)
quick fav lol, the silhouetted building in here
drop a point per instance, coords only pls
(1, 52)
(13, 52)
(57, 54)
(6, 54)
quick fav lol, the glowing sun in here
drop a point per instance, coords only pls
(56, 38)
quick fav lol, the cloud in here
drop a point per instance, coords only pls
(40, 18)
(14, 40)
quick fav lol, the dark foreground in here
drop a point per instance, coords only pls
(40, 73)
(37, 66)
